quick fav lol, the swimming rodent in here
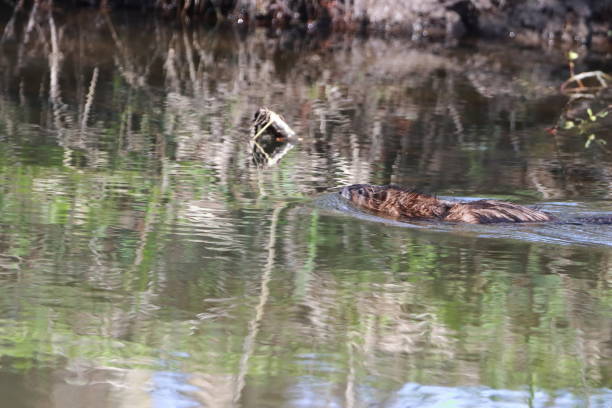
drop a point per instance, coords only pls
(393, 201)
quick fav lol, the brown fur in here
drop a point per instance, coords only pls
(398, 203)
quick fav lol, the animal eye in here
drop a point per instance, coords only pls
(361, 191)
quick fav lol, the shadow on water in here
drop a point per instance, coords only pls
(145, 260)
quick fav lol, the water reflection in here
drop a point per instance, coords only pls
(146, 262)
(415, 395)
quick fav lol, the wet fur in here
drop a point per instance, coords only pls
(399, 203)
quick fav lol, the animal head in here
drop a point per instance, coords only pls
(361, 194)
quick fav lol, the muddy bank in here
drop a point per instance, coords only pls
(528, 22)
(581, 21)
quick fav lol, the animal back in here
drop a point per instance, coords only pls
(493, 211)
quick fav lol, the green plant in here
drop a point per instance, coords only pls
(585, 125)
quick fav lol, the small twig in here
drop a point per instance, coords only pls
(268, 158)
(265, 126)
(600, 76)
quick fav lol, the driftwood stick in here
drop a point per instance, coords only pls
(271, 137)
(600, 76)
(263, 129)
(261, 149)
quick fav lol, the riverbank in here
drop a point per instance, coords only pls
(537, 22)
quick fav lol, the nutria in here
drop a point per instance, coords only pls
(404, 204)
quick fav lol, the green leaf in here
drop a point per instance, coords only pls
(568, 125)
(591, 116)
(590, 139)
(572, 55)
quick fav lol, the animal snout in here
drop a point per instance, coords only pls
(345, 192)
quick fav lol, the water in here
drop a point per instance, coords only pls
(145, 262)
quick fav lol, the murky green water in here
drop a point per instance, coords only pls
(145, 262)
